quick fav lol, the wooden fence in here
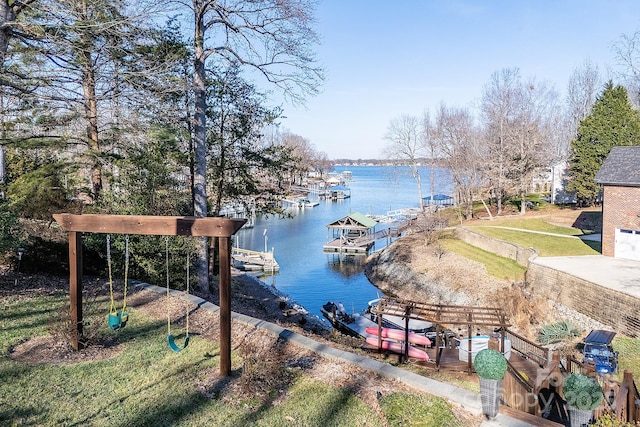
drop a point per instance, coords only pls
(543, 394)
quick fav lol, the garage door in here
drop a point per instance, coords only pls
(627, 244)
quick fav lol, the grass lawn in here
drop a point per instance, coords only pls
(535, 224)
(147, 384)
(496, 265)
(629, 356)
(546, 245)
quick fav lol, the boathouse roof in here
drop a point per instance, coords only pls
(354, 221)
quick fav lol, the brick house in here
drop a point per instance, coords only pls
(620, 180)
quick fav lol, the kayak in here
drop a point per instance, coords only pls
(399, 335)
(397, 347)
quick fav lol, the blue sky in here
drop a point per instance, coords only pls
(388, 58)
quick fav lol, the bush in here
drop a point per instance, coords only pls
(490, 364)
(557, 332)
(582, 392)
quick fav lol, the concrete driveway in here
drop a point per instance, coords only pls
(615, 273)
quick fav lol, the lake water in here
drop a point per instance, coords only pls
(308, 275)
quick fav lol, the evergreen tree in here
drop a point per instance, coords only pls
(612, 122)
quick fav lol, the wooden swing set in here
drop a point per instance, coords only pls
(221, 228)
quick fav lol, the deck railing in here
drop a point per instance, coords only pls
(528, 349)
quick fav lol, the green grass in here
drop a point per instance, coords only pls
(496, 265)
(147, 384)
(535, 224)
(629, 356)
(545, 244)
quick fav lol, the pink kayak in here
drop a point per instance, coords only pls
(399, 335)
(397, 347)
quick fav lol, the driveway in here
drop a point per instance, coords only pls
(615, 273)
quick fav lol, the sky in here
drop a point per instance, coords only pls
(384, 59)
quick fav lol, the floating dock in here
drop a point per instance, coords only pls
(247, 260)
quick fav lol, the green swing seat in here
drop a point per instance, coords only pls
(175, 347)
(118, 320)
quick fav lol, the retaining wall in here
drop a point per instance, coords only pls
(496, 246)
(610, 307)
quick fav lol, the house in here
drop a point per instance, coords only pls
(620, 179)
(558, 180)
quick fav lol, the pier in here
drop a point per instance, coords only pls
(248, 260)
(355, 233)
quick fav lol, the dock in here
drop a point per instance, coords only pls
(248, 260)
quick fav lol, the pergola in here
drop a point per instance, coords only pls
(222, 228)
(440, 314)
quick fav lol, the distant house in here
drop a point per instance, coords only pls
(620, 179)
(558, 178)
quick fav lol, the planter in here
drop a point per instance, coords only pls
(490, 396)
(579, 417)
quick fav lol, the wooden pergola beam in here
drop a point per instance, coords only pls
(150, 225)
(222, 228)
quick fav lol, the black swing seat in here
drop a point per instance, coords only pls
(175, 347)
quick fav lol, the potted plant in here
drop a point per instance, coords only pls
(583, 394)
(490, 365)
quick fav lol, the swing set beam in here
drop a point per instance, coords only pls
(222, 228)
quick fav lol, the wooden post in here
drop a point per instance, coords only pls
(469, 345)
(627, 380)
(225, 306)
(438, 345)
(75, 287)
(407, 313)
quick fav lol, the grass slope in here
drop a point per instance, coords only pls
(147, 384)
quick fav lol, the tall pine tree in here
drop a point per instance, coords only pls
(612, 122)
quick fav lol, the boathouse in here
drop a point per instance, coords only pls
(338, 192)
(353, 233)
(439, 200)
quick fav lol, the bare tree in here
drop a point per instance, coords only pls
(530, 150)
(406, 146)
(431, 147)
(461, 149)
(498, 114)
(582, 90)
(273, 38)
(627, 51)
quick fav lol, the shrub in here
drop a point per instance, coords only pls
(582, 392)
(490, 364)
(557, 331)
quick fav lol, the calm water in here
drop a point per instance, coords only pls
(312, 277)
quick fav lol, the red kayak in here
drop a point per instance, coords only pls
(399, 335)
(397, 347)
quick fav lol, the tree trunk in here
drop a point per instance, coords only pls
(199, 141)
(7, 16)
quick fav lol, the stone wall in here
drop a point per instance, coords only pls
(496, 246)
(607, 306)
